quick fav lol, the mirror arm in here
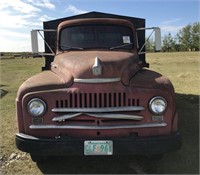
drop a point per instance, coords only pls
(34, 41)
(145, 44)
(157, 38)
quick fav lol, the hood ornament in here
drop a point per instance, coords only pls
(97, 67)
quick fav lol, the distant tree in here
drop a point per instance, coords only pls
(195, 32)
(177, 45)
(168, 43)
(185, 37)
(150, 46)
(188, 38)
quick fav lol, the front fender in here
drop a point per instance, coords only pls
(151, 80)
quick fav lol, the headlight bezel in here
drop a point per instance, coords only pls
(40, 102)
(152, 102)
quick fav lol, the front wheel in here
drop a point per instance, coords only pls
(156, 157)
(38, 158)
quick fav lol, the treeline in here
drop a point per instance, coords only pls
(12, 55)
(187, 39)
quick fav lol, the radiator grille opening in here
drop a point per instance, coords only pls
(96, 100)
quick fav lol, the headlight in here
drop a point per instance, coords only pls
(158, 105)
(36, 107)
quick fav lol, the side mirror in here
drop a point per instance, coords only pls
(158, 45)
(34, 42)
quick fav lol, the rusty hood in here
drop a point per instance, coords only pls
(43, 81)
(96, 64)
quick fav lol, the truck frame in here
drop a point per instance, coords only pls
(95, 95)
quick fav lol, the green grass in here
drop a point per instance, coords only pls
(181, 68)
(13, 73)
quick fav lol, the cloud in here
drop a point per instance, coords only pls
(12, 20)
(45, 18)
(171, 26)
(42, 3)
(19, 6)
(17, 19)
(14, 40)
(8, 33)
(75, 11)
(10, 45)
(171, 21)
(13, 16)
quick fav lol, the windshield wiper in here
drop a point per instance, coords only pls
(71, 47)
(120, 46)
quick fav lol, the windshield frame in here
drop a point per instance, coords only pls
(94, 22)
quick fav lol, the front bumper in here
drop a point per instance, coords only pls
(132, 145)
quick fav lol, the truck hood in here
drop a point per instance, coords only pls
(70, 66)
(46, 80)
(151, 80)
(109, 64)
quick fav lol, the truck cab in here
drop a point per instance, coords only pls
(96, 95)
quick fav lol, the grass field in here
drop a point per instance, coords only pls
(182, 69)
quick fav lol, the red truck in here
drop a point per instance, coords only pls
(95, 95)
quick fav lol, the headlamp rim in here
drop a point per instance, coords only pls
(156, 98)
(40, 100)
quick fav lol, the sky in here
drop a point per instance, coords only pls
(19, 17)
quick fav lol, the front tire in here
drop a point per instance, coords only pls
(38, 158)
(155, 157)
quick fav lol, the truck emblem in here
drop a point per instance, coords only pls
(97, 68)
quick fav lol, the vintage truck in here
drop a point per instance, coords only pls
(96, 95)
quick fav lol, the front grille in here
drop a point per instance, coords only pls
(96, 100)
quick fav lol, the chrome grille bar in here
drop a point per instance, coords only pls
(115, 116)
(97, 80)
(105, 109)
(147, 125)
(98, 115)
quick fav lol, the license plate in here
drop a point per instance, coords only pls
(98, 147)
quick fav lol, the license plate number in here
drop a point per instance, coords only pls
(98, 147)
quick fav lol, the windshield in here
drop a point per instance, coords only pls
(96, 37)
